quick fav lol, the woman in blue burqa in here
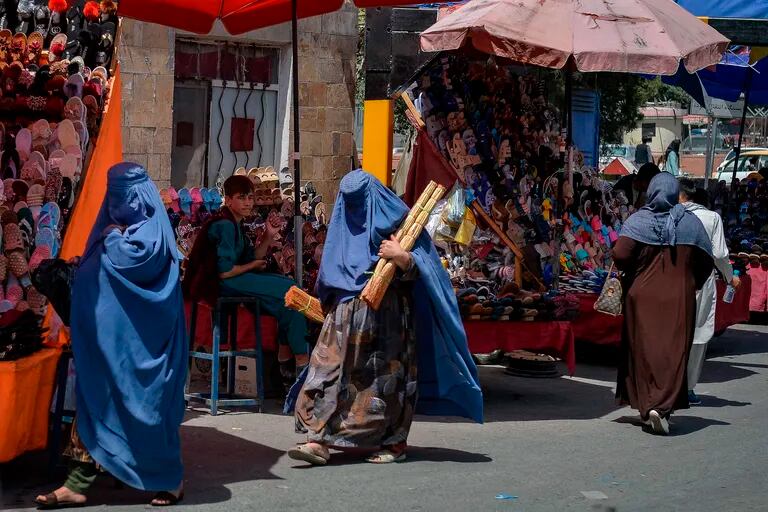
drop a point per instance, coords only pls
(369, 366)
(129, 343)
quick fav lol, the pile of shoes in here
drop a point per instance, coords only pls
(586, 281)
(510, 303)
(492, 122)
(43, 32)
(41, 171)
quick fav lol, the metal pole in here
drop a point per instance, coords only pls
(747, 89)
(710, 149)
(295, 157)
(569, 106)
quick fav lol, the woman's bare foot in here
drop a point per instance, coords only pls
(168, 498)
(61, 497)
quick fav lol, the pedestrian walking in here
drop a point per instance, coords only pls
(130, 371)
(666, 256)
(672, 158)
(369, 366)
(706, 298)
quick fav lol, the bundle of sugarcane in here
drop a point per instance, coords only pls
(407, 235)
(299, 300)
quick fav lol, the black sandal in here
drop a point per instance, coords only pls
(52, 503)
(169, 498)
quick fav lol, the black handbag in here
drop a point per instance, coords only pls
(54, 278)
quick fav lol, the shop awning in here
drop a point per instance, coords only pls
(743, 9)
(238, 16)
(726, 81)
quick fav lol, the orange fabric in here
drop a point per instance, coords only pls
(26, 388)
(107, 152)
(238, 16)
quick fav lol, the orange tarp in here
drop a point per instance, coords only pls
(107, 152)
(26, 388)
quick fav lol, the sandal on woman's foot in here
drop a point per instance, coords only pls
(166, 499)
(386, 457)
(305, 453)
(52, 502)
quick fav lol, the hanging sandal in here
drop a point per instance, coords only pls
(305, 453)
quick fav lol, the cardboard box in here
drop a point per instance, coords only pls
(245, 377)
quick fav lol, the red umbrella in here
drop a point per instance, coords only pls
(239, 16)
(631, 36)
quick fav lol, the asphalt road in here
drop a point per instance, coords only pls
(547, 445)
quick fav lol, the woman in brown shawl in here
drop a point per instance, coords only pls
(666, 256)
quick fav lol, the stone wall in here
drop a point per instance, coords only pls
(146, 56)
(327, 46)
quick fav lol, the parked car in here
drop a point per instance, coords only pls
(726, 171)
(728, 161)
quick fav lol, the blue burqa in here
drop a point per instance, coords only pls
(129, 337)
(663, 221)
(365, 214)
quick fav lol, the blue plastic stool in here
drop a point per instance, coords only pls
(224, 318)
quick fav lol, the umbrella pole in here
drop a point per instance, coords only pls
(747, 89)
(569, 107)
(295, 156)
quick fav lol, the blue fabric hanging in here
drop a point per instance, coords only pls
(365, 214)
(129, 337)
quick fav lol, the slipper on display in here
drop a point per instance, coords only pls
(216, 199)
(74, 89)
(24, 143)
(82, 132)
(50, 216)
(76, 152)
(40, 254)
(174, 200)
(67, 136)
(46, 237)
(185, 201)
(206, 194)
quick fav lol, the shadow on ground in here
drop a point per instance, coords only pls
(679, 425)
(208, 456)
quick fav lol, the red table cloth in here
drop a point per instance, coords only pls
(246, 334)
(602, 329)
(554, 338)
(736, 312)
(595, 327)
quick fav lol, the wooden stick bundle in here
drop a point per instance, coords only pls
(299, 300)
(407, 235)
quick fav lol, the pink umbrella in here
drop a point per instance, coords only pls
(633, 36)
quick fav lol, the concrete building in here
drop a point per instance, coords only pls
(197, 107)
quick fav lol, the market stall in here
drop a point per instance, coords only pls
(60, 131)
(527, 231)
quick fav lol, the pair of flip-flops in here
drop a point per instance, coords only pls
(46, 237)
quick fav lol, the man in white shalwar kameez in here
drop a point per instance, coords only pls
(706, 298)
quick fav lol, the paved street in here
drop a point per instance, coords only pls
(545, 442)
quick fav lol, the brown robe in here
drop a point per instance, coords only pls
(660, 286)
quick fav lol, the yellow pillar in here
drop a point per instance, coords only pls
(378, 128)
